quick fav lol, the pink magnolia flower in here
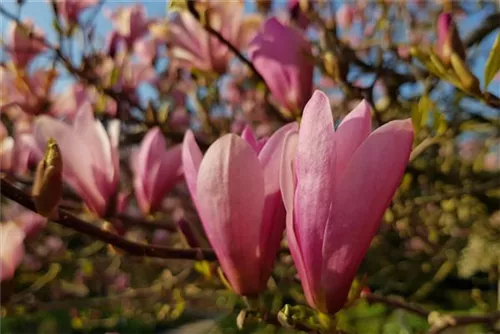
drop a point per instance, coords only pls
(18, 153)
(194, 47)
(30, 92)
(448, 38)
(345, 16)
(130, 23)
(70, 9)
(24, 44)
(156, 170)
(289, 74)
(336, 186)
(11, 249)
(145, 49)
(31, 223)
(90, 157)
(235, 189)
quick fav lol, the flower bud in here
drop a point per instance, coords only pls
(448, 38)
(47, 188)
(467, 78)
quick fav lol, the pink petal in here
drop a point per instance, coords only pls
(288, 185)
(362, 196)
(249, 137)
(230, 201)
(158, 185)
(7, 154)
(191, 160)
(11, 250)
(353, 130)
(315, 181)
(270, 156)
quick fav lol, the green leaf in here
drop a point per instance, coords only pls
(493, 62)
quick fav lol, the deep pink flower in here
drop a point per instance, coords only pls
(90, 157)
(156, 170)
(194, 47)
(70, 9)
(289, 74)
(131, 23)
(12, 249)
(24, 44)
(336, 186)
(235, 189)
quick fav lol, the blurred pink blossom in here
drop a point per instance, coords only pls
(24, 44)
(31, 92)
(70, 9)
(194, 47)
(131, 23)
(90, 157)
(156, 170)
(289, 74)
(11, 249)
(345, 16)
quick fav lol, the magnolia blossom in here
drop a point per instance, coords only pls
(130, 23)
(235, 189)
(145, 50)
(24, 42)
(30, 92)
(18, 153)
(345, 16)
(70, 9)
(156, 170)
(289, 74)
(448, 38)
(194, 47)
(11, 249)
(336, 186)
(31, 223)
(90, 157)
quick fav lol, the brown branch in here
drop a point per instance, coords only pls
(397, 303)
(452, 320)
(70, 221)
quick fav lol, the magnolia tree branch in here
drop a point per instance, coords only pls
(70, 221)
(439, 322)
